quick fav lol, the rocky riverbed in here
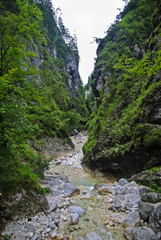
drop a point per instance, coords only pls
(81, 207)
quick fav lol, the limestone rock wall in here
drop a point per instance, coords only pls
(125, 134)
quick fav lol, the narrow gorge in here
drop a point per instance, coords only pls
(79, 162)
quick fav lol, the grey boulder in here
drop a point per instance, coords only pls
(70, 189)
(145, 209)
(155, 219)
(123, 181)
(140, 233)
(151, 197)
(76, 209)
(132, 220)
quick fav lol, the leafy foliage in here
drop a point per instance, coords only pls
(134, 70)
(34, 98)
(17, 29)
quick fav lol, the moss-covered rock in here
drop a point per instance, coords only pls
(150, 178)
(125, 131)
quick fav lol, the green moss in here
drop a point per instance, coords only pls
(154, 169)
(88, 146)
(154, 187)
(7, 237)
(153, 138)
(33, 103)
(130, 86)
(118, 149)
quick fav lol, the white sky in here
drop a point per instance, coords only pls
(88, 19)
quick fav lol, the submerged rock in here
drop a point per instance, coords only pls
(76, 209)
(70, 189)
(93, 236)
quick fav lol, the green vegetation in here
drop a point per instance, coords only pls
(121, 123)
(34, 98)
(7, 237)
(89, 96)
(153, 182)
(154, 187)
(15, 94)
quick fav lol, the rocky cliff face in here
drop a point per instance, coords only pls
(73, 81)
(56, 56)
(125, 134)
(40, 92)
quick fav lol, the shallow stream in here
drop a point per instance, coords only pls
(96, 223)
(97, 220)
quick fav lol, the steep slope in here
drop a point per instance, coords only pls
(124, 130)
(40, 90)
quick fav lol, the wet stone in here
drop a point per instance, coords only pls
(93, 236)
(70, 189)
(66, 208)
(76, 209)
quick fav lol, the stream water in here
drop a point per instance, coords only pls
(96, 223)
